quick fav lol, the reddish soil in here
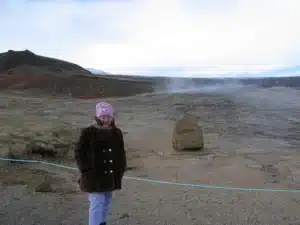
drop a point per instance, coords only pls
(78, 86)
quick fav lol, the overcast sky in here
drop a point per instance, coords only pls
(194, 37)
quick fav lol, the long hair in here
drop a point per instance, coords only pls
(99, 122)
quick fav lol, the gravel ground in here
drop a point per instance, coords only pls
(145, 203)
(152, 204)
(246, 146)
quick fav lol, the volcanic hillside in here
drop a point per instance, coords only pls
(24, 70)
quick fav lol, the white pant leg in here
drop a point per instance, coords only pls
(108, 197)
(97, 204)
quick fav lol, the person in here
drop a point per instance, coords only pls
(101, 160)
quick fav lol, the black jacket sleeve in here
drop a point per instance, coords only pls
(123, 152)
(80, 151)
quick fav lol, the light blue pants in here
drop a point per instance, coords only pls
(99, 206)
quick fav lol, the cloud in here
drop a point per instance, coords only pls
(148, 36)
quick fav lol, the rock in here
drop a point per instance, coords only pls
(42, 149)
(44, 187)
(188, 134)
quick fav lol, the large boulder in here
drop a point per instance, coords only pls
(188, 134)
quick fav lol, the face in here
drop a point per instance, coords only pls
(106, 120)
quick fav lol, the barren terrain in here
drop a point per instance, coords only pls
(250, 141)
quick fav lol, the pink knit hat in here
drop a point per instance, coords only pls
(104, 109)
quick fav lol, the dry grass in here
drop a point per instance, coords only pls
(35, 179)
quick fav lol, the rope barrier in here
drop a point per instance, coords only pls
(164, 182)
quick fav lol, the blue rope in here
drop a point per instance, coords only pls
(164, 182)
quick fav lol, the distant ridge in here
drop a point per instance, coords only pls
(40, 75)
(13, 59)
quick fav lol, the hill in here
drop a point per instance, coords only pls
(24, 70)
(10, 60)
(40, 75)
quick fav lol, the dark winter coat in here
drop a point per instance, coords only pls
(101, 159)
